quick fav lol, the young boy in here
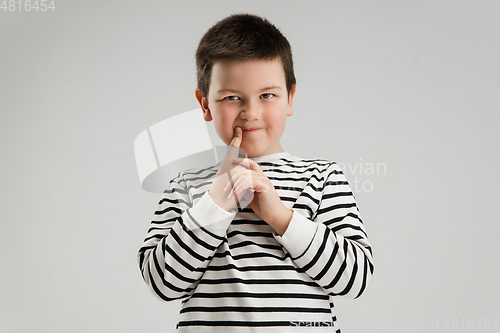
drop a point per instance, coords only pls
(275, 264)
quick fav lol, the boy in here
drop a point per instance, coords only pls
(275, 265)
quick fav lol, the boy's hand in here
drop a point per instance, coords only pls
(225, 175)
(266, 202)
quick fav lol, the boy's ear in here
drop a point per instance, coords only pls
(207, 115)
(290, 100)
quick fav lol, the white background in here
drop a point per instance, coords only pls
(412, 86)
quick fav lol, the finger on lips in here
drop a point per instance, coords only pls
(237, 137)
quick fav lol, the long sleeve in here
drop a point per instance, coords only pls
(182, 240)
(235, 275)
(333, 247)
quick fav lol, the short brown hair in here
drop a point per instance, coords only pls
(242, 37)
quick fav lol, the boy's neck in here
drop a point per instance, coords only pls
(270, 156)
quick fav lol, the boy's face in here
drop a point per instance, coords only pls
(250, 94)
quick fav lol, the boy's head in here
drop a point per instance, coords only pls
(242, 37)
(245, 79)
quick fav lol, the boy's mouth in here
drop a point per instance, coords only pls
(248, 130)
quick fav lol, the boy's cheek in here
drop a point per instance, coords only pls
(226, 133)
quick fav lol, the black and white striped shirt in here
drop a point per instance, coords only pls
(235, 274)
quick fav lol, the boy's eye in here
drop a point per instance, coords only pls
(232, 98)
(267, 96)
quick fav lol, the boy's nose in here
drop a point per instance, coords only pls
(250, 111)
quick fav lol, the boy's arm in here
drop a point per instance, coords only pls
(333, 249)
(181, 242)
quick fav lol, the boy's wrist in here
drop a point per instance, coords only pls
(282, 221)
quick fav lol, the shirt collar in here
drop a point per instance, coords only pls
(271, 157)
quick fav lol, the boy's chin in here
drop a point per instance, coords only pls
(254, 153)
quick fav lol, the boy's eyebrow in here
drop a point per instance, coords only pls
(271, 87)
(237, 91)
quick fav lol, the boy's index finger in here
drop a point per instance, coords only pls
(234, 150)
(236, 142)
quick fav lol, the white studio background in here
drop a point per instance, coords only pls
(404, 94)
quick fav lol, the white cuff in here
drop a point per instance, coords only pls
(206, 212)
(298, 236)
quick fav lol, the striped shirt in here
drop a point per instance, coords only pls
(235, 274)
